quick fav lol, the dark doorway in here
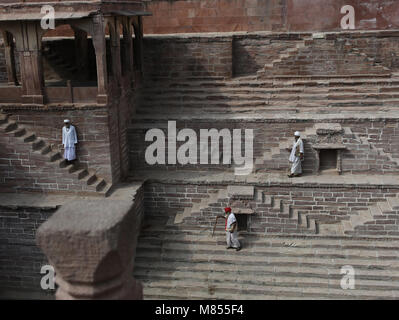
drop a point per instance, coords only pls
(328, 159)
(242, 221)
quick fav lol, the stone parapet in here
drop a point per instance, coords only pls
(91, 245)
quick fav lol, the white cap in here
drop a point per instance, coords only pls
(297, 134)
(66, 121)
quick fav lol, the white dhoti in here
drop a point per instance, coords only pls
(232, 239)
(296, 167)
(295, 159)
(69, 139)
(70, 153)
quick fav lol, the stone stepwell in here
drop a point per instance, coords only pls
(176, 262)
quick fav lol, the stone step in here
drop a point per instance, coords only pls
(258, 95)
(9, 126)
(266, 105)
(190, 288)
(149, 273)
(243, 257)
(298, 252)
(284, 81)
(261, 239)
(309, 271)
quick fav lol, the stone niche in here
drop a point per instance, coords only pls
(241, 198)
(328, 148)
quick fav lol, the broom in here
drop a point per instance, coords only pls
(216, 222)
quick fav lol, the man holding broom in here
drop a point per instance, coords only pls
(231, 230)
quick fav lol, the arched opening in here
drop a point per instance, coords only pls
(68, 60)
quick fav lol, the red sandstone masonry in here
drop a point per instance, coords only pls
(20, 259)
(173, 57)
(326, 204)
(186, 58)
(359, 158)
(91, 126)
(188, 16)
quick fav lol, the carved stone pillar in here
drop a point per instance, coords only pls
(115, 49)
(91, 245)
(101, 58)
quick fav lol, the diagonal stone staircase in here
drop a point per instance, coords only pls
(300, 217)
(92, 182)
(214, 197)
(283, 55)
(293, 61)
(188, 264)
(284, 146)
(364, 141)
(380, 212)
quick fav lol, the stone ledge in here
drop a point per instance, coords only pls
(266, 180)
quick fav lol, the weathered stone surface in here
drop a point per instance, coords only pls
(91, 244)
(329, 128)
(241, 192)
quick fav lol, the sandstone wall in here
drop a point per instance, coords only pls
(191, 16)
(358, 158)
(24, 169)
(20, 259)
(173, 57)
(327, 202)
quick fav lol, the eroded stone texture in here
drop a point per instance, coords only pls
(91, 245)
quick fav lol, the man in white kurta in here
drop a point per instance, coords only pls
(231, 230)
(69, 140)
(297, 156)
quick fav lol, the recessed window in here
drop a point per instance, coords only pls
(242, 221)
(328, 159)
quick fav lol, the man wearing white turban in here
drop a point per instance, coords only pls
(297, 156)
(69, 140)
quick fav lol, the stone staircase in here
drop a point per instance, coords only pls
(283, 148)
(214, 197)
(93, 183)
(373, 214)
(364, 141)
(191, 264)
(282, 207)
(300, 217)
(293, 62)
(249, 94)
(284, 55)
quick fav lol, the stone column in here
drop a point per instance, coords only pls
(115, 50)
(101, 58)
(138, 50)
(91, 245)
